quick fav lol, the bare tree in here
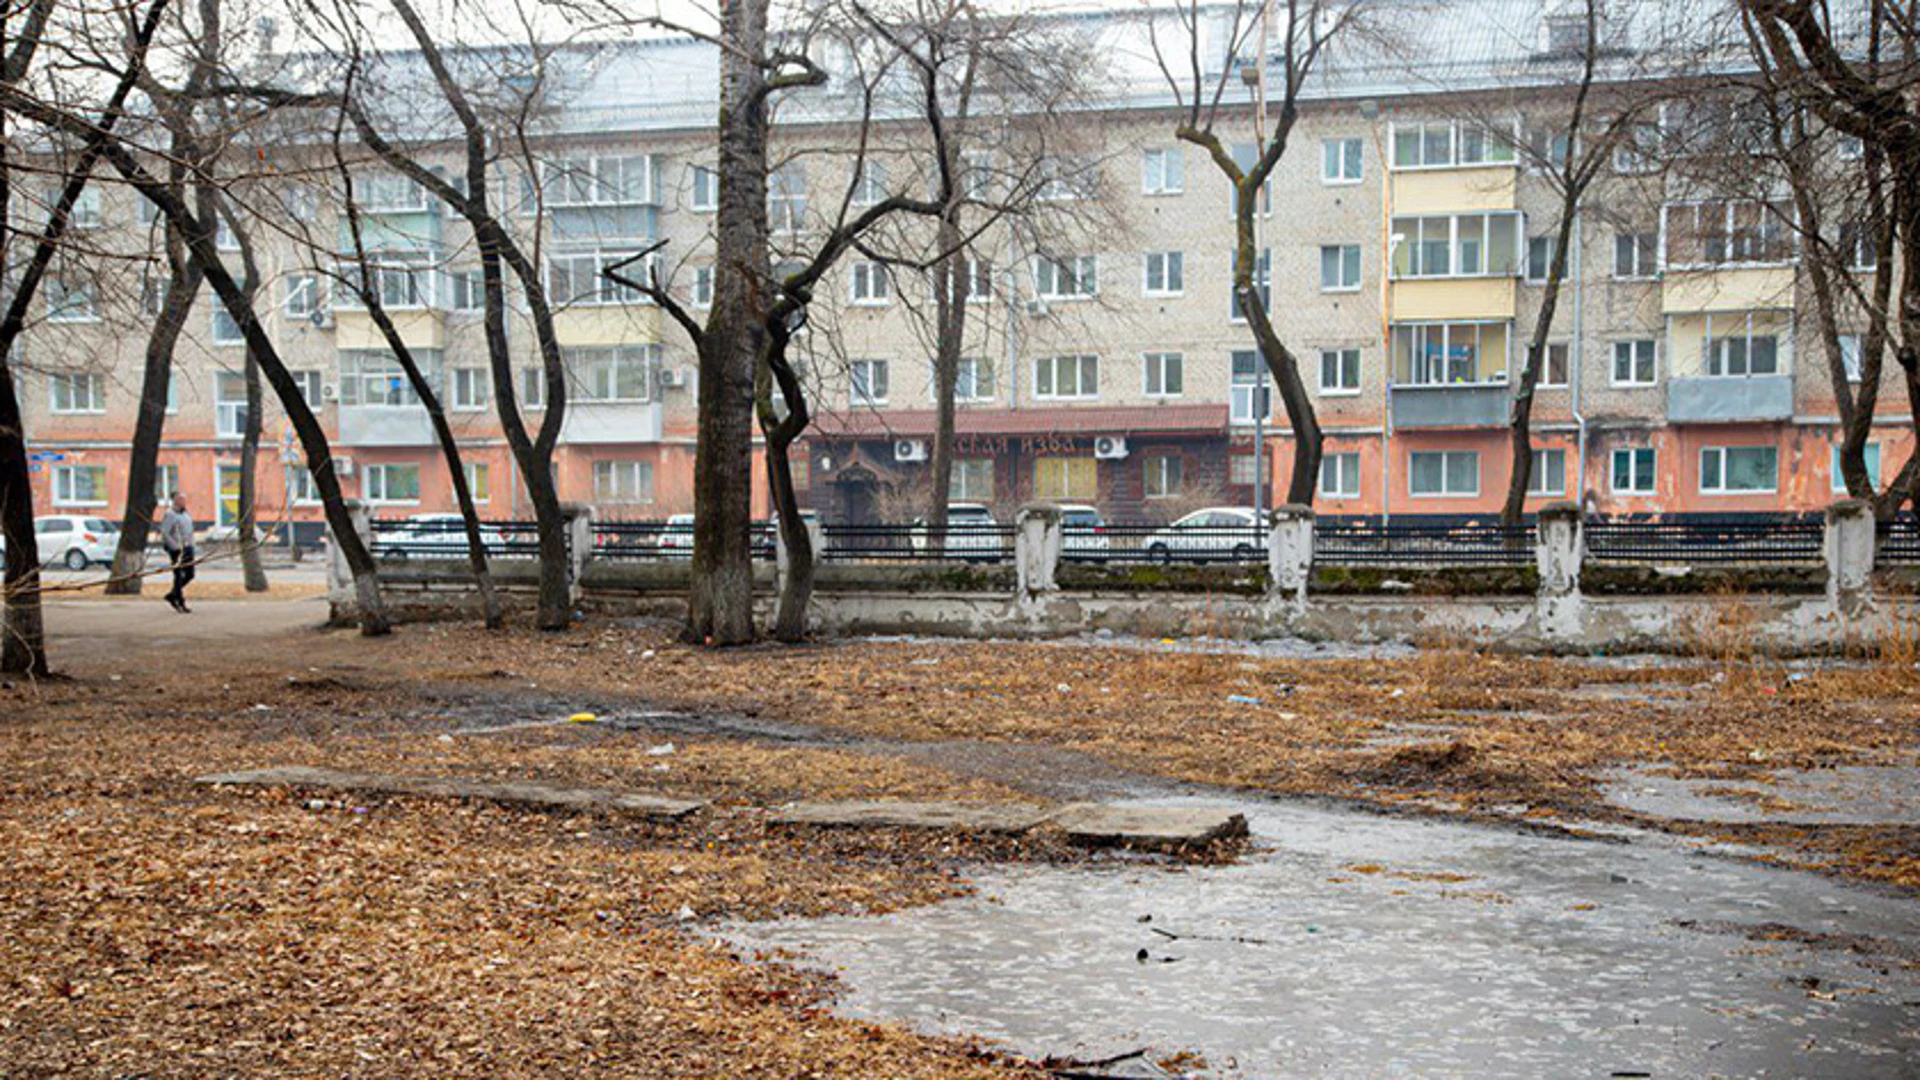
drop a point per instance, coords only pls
(1306, 30)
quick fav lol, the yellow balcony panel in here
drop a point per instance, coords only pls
(419, 329)
(628, 324)
(1462, 298)
(1746, 289)
(1450, 191)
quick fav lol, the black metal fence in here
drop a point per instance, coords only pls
(958, 542)
(1696, 540)
(1416, 544)
(1134, 543)
(446, 538)
(1899, 541)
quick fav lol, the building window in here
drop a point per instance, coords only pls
(1871, 452)
(1558, 368)
(1161, 479)
(1443, 144)
(1066, 278)
(533, 388)
(1262, 281)
(702, 286)
(787, 199)
(972, 480)
(1165, 374)
(393, 483)
(81, 392)
(869, 382)
(472, 388)
(1540, 258)
(469, 287)
(301, 490)
(623, 481)
(1064, 178)
(706, 190)
(1728, 233)
(1633, 363)
(312, 388)
(1738, 470)
(871, 283)
(80, 485)
(1443, 473)
(1165, 273)
(1241, 470)
(400, 285)
(1340, 161)
(229, 405)
(1340, 476)
(72, 299)
(1058, 377)
(1638, 150)
(1549, 473)
(1064, 478)
(1340, 268)
(385, 192)
(1457, 245)
(972, 280)
(1633, 470)
(1162, 172)
(580, 279)
(973, 379)
(225, 330)
(870, 183)
(1742, 352)
(626, 180)
(615, 373)
(1851, 357)
(1339, 371)
(1636, 256)
(1859, 248)
(1247, 157)
(1450, 354)
(1249, 397)
(479, 480)
(372, 378)
(303, 296)
(166, 481)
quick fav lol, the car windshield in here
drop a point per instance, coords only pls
(102, 525)
(1082, 517)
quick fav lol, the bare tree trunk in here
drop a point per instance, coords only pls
(248, 534)
(23, 636)
(951, 286)
(1520, 414)
(129, 557)
(720, 606)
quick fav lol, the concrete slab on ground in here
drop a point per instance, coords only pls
(967, 817)
(652, 807)
(1156, 828)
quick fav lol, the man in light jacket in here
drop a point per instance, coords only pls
(176, 535)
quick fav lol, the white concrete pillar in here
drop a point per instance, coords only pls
(579, 523)
(340, 594)
(1036, 547)
(1289, 552)
(1850, 546)
(1560, 547)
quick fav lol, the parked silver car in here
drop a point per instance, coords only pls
(1083, 534)
(972, 533)
(76, 542)
(1216, 534)
(430, 536)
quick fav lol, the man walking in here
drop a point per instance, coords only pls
(176, 535)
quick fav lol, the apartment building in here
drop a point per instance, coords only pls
(1404, 236)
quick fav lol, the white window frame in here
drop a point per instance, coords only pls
(1163, 171)
(702, 295)
(618, 481)
(1646, 255)
(1347, 279)
(1071, 277)
(1262, 283)
(967, 379)
(605, 292)
(861, 390)
(1346, 469)
(61, 300)
(384, 470)
(1154, 369)
(1722, 455)
(230, 412)
(166, 480)
(1173, 273)
(704, 196)
(223, 330)
(1871, 452)
(1613, 363)
(787, 199)
(1547, 381)
(869, 183)
(595, 373)
(63, 488)
(1546, 244)
(1419, 333)
(1718, 357)
(384, 191)
(311, 382)
(1412, 265)
(1730, 210)
(302, 296)
(1446, 473)
(1168, 482)
(1243, 389)
(479, 481)
(1053, 367)
(870, 284)
(1853, 356)
(1643, 486)
(1536, 484)
(1346, 360)
(471, 388)
(1342, 161)
(1459, 134)
(92, 382)
(600, 180)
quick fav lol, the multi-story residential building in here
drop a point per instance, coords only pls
(1404, 244)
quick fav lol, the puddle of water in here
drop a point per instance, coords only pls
(1844, 795)
(1552, 958)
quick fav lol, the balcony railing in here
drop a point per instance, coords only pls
(1450, 405)
(1729, 399)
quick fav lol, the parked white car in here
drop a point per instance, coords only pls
(76, 542)
(676, 540)
(435, 536)
(972, 532)
(1216, 534)
(1083, 533)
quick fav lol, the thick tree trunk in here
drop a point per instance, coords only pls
(951, 286)
(22, 635)
(248, 534)
(1520, 413)
(720, 607)
(796, 591)
(136, 522)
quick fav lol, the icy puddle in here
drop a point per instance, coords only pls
(1364, 946)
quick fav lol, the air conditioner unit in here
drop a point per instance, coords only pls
(1110, 447)
(321, 317)
(329, 391)
(909, 450)
(343, 466)
(1038, 307)
(673, 378)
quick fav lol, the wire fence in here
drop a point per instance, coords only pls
(1417, 545)
(1900, 541)
(446, 538)
(1693, 541)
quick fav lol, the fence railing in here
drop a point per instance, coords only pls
(446, 538)
(1136, 543)
(1696, 541)
(1899, 541)
(1399, 544)
(958, 542)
